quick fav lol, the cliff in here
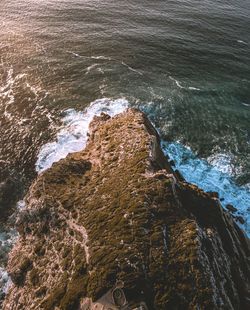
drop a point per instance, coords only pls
(114, 227)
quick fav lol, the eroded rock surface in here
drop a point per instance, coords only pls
(114, 227)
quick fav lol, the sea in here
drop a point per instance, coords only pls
(185, 63)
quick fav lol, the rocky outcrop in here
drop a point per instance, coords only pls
(114, 227)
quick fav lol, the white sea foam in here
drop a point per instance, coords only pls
(72, 137)
(101, 58)
(214, 176)
(73, 53)
(5, 281)
(7, 240)
(222, 162)
(91, 67)
(21, 205)
(242, 42)
(130, 68)
(6, 90)
(176, 82)
(193, 88)
(182, 87)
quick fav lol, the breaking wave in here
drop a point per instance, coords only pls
(212, 175)
(73, 135)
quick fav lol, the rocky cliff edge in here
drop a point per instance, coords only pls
(114, 227)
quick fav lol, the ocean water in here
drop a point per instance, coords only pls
(186, 63)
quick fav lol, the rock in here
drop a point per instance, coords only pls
(172, 163)
(214, 194)
(231, 208)
(114, 227)
(179, 175)
(240, 219)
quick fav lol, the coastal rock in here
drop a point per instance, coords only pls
(114, 227)
(231, 208)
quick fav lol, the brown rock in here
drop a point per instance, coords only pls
(240, 219)
(231, 208)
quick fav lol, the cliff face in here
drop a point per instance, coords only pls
(114, 227)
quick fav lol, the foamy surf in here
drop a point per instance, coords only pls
(4, 282)
(215, 176)
(72, 137)
(224, 163)
(7, 240)
(6, 91)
